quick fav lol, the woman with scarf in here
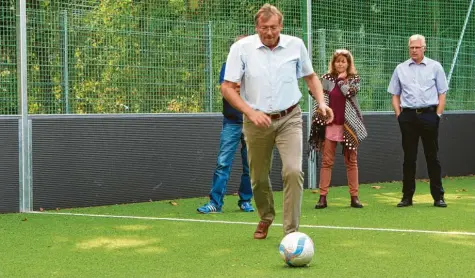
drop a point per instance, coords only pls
(340, 85)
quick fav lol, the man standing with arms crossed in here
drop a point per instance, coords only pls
(419, 88)
(268, 65)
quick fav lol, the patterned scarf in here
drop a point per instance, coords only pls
(354, 129)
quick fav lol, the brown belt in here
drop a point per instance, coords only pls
(278, 115)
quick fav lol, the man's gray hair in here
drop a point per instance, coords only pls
(418, 37)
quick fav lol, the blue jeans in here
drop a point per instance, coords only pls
(231, 135)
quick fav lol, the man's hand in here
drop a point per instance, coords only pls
(396, 103)
(315, 87)
(259, 118)
(327, 112)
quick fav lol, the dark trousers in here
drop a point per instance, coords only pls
(424, 124)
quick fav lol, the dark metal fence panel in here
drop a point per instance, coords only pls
(9, 171)
(100, 160)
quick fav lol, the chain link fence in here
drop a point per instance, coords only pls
(157, 56)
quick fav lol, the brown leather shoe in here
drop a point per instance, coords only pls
(261, 231)
(322, 202)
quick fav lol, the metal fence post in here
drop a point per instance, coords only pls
(310, 161)
(209, 63)
(322, 50)
(320, 70)
(24, 131)
(64, 34)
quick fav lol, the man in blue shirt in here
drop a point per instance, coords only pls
(419, 88)
(231, 135)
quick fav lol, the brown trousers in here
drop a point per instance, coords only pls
(328, 159)
(286, 134)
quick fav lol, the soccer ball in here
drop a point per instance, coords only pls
(296, 249)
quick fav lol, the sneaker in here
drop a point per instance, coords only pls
(209, 208)
(246, 207)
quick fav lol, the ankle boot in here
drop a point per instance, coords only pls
(322, 202)
(355, 203)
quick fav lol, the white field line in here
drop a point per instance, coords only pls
(254, 223)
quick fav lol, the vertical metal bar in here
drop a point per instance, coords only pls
(210, 67)
(322, 50)
(459, 42)
(30, 165)
(320, 70)
(64, 26)
(20, 160)
(310, 160)
(24, 130)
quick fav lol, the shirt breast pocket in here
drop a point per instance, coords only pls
(254, 68)
(288, 71)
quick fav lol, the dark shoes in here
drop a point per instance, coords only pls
(322, 202)
(408, 202)
(261, 231)
(440, 203)
(355, 202)
(404, 203)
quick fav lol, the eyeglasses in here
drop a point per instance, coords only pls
(265, 28)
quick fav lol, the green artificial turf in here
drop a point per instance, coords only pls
(46, 245)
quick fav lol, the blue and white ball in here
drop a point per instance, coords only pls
(296, 249)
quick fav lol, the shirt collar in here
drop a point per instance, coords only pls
(424, 61)
(283, 42)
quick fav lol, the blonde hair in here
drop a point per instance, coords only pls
(266, 12)
(417, 37)
(351, 70)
